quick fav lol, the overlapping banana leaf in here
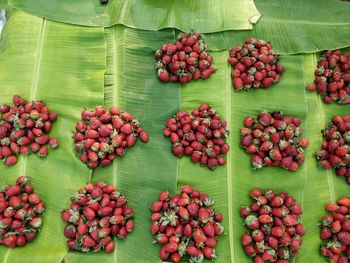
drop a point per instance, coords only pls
(72, 67)
(294, 26)
(201, 15)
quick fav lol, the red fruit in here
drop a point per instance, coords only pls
(290, 220)
(43, 151)
(218, 217)
(10, 241)
(246, 239)
(199, 236)
(163, 255)
(82, 229)
(267, 82)
(144, 137)
(34, 199)
(183, 213)
(344, 237)
(257, 162)
(335, 226)
(178, 150)
(238, 83)
(89, 213)
(300, 230)
(209, 253)
(130, 226)
(277, 201)
(193, 251)
(265, 219)
(187, 230)
(87, 241)
(277, 231)
(163, 75)
(344, 201)
(11, 160)
(12, 190)
(21, 241)
(30, 236)
(69, 231)
(249, 250)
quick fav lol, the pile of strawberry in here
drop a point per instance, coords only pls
(255, 65)
(335, 150)
(200, 134)
(185, 60)
(335, 232)
(332, 77)
(20, 213)
(97, 214)
(185, 225)
(276, 232)
(274, 140)
(24, 128)
(104, 133)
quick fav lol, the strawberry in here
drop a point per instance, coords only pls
(110, 247)
(35, 222)
(265, 219)
(187, 230)
(70, 231)
(193, 251)
(144, 136)
(10, 241)
(246, 239)
(12, 190)
(30, 236)
(89, 213)
(183, 213)
(163, 75)
(157, 206)
(87, 241)
(290, 220)
(252, 222)
(335, 226)
(21, 241)
(209, 230)
(344, 201)
(15, 202)
(277, 201)
(43, 151)
(130, 226)
(209, 253)
(277, 231)
(34, 199)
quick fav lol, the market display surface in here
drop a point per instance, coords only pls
(86, 80)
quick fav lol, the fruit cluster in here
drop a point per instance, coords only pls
(335, 232)
(332, 77)
(185, 60)
(200, 134)
(276, 231)
(103, 134)
(20, 213)
(24, 128)
(335, 150)
(274, 140)
(185, 224)
(97, 213)
(255, 65)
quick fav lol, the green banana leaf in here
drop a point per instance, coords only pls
(200, 15)
(294, 26)
(4, 4)
(64, 66)
(72, 67)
